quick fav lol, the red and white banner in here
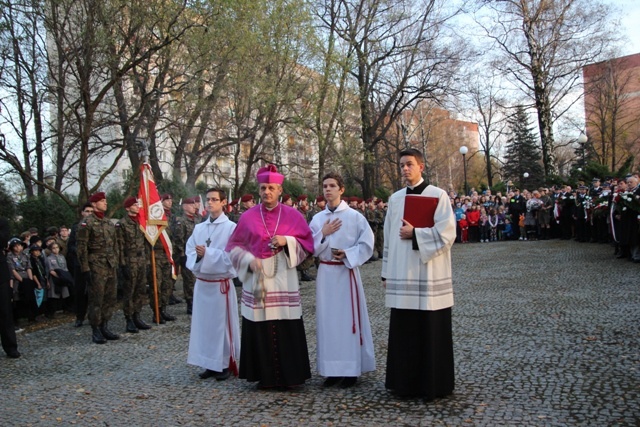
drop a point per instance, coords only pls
(153, 220)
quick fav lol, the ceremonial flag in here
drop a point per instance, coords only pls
(203, 207)
(153, 220)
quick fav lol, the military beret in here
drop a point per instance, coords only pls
(369, 200)
(285, 197)
(320, 199)
(130, 201)
(166, 196)
(187, 201)
(246, 198)
(233, 202)
(302, 197)
(96, 197)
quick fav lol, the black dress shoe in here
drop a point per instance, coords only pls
(97, 336)
(107, 333)
(209, 374)
(331, 381)
(221, 376)
(14, 354)
(348, 382)
(78, 323)
(131, 327)
(139, 322)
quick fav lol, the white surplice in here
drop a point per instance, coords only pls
(214, 323)
(419, 279)
(345, 343)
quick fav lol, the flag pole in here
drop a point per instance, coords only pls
(143, 149)
(156, 305)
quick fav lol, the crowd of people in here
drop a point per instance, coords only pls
(266, 248)
(599, 213)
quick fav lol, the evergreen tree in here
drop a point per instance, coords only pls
(523, 153)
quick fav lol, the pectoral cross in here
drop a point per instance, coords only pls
(208, 241)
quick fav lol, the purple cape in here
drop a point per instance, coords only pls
(252, 236)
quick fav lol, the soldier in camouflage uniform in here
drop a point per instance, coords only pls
(98, 255)
(303, 268)
(164, 280)
(380, 214)
(134, 258)
(182, 229)
(370, 215)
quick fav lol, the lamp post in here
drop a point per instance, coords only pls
(524, 183)
(464, 150)
(582, 140)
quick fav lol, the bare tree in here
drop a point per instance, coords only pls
(401, 55)
(23, 83)
(611, 111)
(487, 99)
(79, 68)
(545, 44)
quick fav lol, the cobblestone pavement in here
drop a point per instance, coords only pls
(545, 333)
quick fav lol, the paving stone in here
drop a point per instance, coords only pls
(545, 333)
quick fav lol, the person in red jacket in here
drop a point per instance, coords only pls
(464, 227)
(473, 217)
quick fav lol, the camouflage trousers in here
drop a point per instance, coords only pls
(379, 242)
(188, 282)
(164, 280)
(306, 264)
(134, 290)
(102, 293)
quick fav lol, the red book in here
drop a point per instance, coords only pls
(419, 210)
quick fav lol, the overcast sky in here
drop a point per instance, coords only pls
(630, 23)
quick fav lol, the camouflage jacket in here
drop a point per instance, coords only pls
(97, 242)
(131, 241)
(181, 231)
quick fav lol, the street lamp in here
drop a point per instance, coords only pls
(525, 175)
(464, 150)
(582, 140)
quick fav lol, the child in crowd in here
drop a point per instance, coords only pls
(61, 280)
(40, 275)
(484, 226)
(459, 212)
(501, 222)
(464, 228)
(523, 229)
(473, 218)
(507, 234)
(493, 225)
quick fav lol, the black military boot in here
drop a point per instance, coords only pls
(166, 315)
(174, 300)
(162, 321)
(97, 336)
(189, 306)
(139, 322)
(107, 333)
(131, 327)
(304, 276)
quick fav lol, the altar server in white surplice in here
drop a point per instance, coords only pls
(215, 333)
(343, 241)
